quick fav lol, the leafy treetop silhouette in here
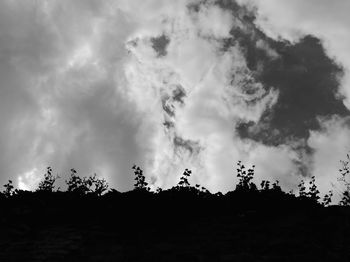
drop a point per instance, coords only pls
(313, 193)
(184, 179)
(344, 178)
(140, 179)
(47, 184)
(327, 198)
(9, 189)
(245, 178)
(265, 185)
(302, 189)
(85, 185)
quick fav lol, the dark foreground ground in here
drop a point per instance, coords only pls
(142, 227)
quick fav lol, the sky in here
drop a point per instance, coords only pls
(101, 85)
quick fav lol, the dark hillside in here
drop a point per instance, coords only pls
(178, 225)
(183, 223)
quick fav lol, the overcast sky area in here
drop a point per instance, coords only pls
(101, 85)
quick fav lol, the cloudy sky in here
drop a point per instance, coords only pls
(100, 85)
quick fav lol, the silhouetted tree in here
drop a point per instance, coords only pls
(140, 179)
(344, 178)
(97, 185)
(302, 189)
(245, 178)
(184, 179)
(276, 186)
(85, 185)
(313, 193)
(327, 198)
(265, 185)
(345, 201)
(201, 190)
(47, 184)
(77, 184)
(9, 189)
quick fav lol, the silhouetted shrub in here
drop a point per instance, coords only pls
(313, 193)
(345, 201)
(302, 189)
(344, 178)
(265, 185)
(85, 185)
(310, 193)
(9, 189)
(140, 179)
(97, 185)
(77, 184)
(327, 198)
(201, 190)
(245, 178)
(47, 184)
(184, 178)
(276, 186)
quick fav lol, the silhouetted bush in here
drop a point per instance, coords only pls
(313, 193)
(302, 189)
(9, 189)
(201, 189)
(77, 184)
(140, 180)
(276, 186)
(327, 198)
(47, 184)
(86, 185)
(265, 185)
(245, 178)
(184, 179)
(97, 185)
(344, 178)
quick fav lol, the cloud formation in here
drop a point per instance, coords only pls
(328, 21)
(292, 20)
(99, 86)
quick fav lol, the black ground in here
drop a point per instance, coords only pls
(177, 225)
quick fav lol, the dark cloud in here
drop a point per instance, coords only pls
(306, 78)
(160, 44)
(307, 81)
(179, 94)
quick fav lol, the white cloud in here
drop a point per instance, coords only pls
(331, 145)
(214, 21)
